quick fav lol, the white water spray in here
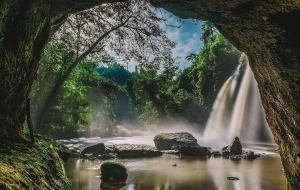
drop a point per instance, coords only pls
(238, 111)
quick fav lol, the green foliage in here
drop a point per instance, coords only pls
(62, 105)
(70, 111)
(123, 132)
(100, 98)
(208, 32)
(115, 72)
(242, 61)
(159, 95)
(103, 95)
(149, 116)
(212, 67)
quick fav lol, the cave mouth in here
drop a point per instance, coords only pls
(274, 57)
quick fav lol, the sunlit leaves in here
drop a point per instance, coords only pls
(128, 30)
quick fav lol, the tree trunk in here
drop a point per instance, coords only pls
(55, 90)
(24, 31)
(25, 27)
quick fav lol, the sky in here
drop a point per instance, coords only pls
(187, 38)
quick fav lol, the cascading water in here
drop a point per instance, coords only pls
(238, 111)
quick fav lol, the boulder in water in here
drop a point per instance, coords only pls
(135, 151)
(113, 171)
(95, 150)
(235, 148)
(165, 141)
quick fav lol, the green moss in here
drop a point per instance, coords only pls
(113, 163)
(113, 171)
(160, 136)
(24, 165)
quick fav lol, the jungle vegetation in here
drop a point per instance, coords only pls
(83, 88)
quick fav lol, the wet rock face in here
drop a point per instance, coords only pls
(235, 148)
(267, 32)
(94, 150)
(194, 150)
(135, 151)
(165, 141)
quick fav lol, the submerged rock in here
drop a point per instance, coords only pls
(135, 151)
(112, 185)
(165, 141)
(250, 155)
(93, 150)
(216, 154)
(235, 152)
(106, 156)
(232, 178)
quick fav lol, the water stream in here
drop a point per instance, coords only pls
(238, 111)
(191, 173)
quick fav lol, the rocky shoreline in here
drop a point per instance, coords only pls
(183, 144)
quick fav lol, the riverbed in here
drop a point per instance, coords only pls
(191, 173)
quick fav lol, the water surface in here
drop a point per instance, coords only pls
(191, 173)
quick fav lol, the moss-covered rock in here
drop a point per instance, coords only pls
(165, 141)
(31, 166)
(135, 151)
(113, 171)
(63, 152)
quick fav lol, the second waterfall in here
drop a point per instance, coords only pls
(238, 111)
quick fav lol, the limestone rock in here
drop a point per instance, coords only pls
(193, 150)
(135, 151)
(165, 141)
(95, 150)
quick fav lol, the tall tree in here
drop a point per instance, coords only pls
(211, 68)
(69, 112)
(129, 29)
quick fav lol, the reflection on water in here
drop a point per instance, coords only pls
(264, 173)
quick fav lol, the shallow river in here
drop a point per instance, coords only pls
(191, 173)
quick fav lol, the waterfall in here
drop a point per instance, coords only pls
(238, 111)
